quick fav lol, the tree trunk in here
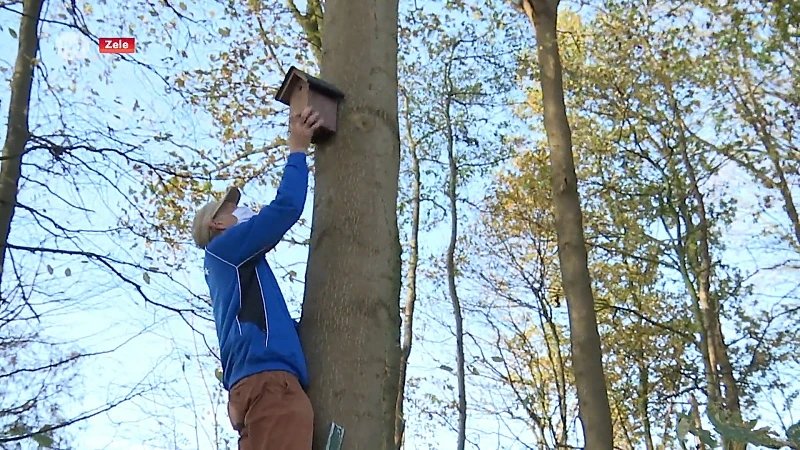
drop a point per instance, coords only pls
(644, 400)
(593, 407)
(312, 24)
(351, 311)
(411, 280)
(698, 422)
(452, 181)
(786, 193)
(752, 111)
(718, 361)
(17, 134)
(666, 441)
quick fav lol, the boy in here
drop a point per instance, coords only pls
(263, 365)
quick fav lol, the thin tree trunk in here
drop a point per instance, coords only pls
(718, 351)
(665, 438)
(411, 281)
(786, 193)
(643, 389)
(452, 182)
(18, 133)
(312, 24)
(644, 401)
(351, 310)
(593, 406)
(684, 263)
(555, 356)
(753, 113)
(695, 413)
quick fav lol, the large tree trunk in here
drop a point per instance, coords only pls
(593, 407)
(18, 133)
(351, 311)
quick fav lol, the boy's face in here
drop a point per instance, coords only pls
(224, 218)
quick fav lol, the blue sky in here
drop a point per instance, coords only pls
(104, 316)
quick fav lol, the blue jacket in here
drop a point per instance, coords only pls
(254, 328)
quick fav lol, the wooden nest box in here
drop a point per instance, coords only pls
(300, 89)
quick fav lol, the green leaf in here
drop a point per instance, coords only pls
(684, 426)
(225, 32)
(497, 358)
(793, 433)
(706, 438)
(735, 429)
(44, 440)
(12, 33)
(447, 368)
(218, 374)
(18, 429)
(146, 277)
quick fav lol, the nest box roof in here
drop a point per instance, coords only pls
(284, 93)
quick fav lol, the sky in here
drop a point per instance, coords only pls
(109, 317)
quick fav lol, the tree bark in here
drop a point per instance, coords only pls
(593, 406)
(351, 313)
(644, 400)
(718, 361)
(18, 133)
(411, 281)
(452, 181)
(698, 422)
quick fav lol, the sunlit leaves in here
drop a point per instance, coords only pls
(637, 79)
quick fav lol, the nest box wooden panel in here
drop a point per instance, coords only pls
(300, 89)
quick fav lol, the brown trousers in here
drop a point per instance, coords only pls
(271, 411)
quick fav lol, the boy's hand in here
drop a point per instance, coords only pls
(301, 128)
